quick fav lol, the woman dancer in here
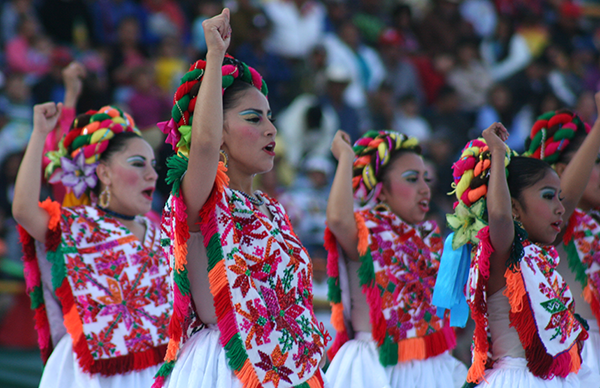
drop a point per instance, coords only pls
(567, 143)
(242, 280)
(388, 335)
(96, 275)
(509, 208)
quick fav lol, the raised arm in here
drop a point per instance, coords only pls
(499, 207)
(28, 185)
(207, 129)
(340, 206)
(575, 176)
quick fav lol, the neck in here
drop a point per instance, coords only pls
(122, 217)
(240, 181)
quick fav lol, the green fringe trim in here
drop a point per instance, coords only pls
(166, 369)
(575, 264)
(37, 297)
(469, 385)
(177, 165)
(59, 271)
(182, 281)
(236, 352)
(388, 352)
(334, 293)
(214, 251)
(366, 272)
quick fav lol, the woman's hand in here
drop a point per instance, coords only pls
(341, 144)
(495, 135)
(217, 32)
(45, 117)
(73, 76)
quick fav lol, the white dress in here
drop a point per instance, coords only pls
(356, 364)
(510, 366)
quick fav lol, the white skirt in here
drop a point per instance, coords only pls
(356, 365)
(63, 371)
(513, 372)
(591, 347)
(202, 364)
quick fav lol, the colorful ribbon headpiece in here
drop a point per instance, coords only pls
(74, 163)
(373, 152)
(552, 133)
(179, 128)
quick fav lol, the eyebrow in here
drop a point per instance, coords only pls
(140, 157)
(254, 110)
(410, 172)
(549, 188)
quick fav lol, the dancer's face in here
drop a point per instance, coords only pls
(249, 135)
(131, 177)
(540, 209)
(405, 188)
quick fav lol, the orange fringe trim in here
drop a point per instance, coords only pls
(54, 211)
(515, 290)
(337, 316)
(411, 349)
(217, 278)
(363, 234)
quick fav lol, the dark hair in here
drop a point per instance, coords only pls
(233, 93)
(524, 172)
(116, 144)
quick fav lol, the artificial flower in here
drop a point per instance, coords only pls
(466, 222)
(77, 174)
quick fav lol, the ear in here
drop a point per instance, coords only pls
(560, 168)
(517, 209)
(103, 173)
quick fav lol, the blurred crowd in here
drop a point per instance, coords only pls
(439, 70)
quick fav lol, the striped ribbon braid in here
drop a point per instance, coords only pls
(373, 152)
(179, 128)
(552, 133)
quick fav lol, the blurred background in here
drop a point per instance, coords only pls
(439, 70)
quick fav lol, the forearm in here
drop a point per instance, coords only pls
(27, 190)
(575, 177)
(340, 207)
(499, 206)
(206, 139)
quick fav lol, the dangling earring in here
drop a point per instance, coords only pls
(104, 198)
(223, 154)
(516, 221)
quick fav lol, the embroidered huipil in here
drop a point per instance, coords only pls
(582, 243)
(261, 280)
(397, 274)
(541, 310)
(113, 289)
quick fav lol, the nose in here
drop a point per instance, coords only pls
(560, 209)
(271, 129)
(152, 175)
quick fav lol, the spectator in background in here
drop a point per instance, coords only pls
(481, 14)
(11, 13)
(382, 106)
(17, 108)
(442, 27)
(271, 65)
(408, 120)
(586, 107)
(469, 77)
(566, 32)
(338, 11)
(530, 84)
(166, 18)
(50, 87)
(565, 84)
(310, 122)
(205, 10)
(506, 52)
(298, 25)
(500, 109)
(346, 49)
(404, 24)
(124, 57)
(401, 72)
(370, 18)
(62, 19)
(29, 51)
(108, 15)
(313, 75)
(170, 64)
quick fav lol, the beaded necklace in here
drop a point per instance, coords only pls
(253, 200)
(115, 214)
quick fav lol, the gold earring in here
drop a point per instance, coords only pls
(104, 198)
(223, 154)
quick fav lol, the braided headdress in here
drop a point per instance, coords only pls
(373, 152)
(179, 128)
(552, 133)
(74, 164)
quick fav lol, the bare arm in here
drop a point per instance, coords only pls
(340, 206)
(574, 178)
(499, 207)
(28, 185)
(207, 129)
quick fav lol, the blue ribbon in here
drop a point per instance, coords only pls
(448, 293)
